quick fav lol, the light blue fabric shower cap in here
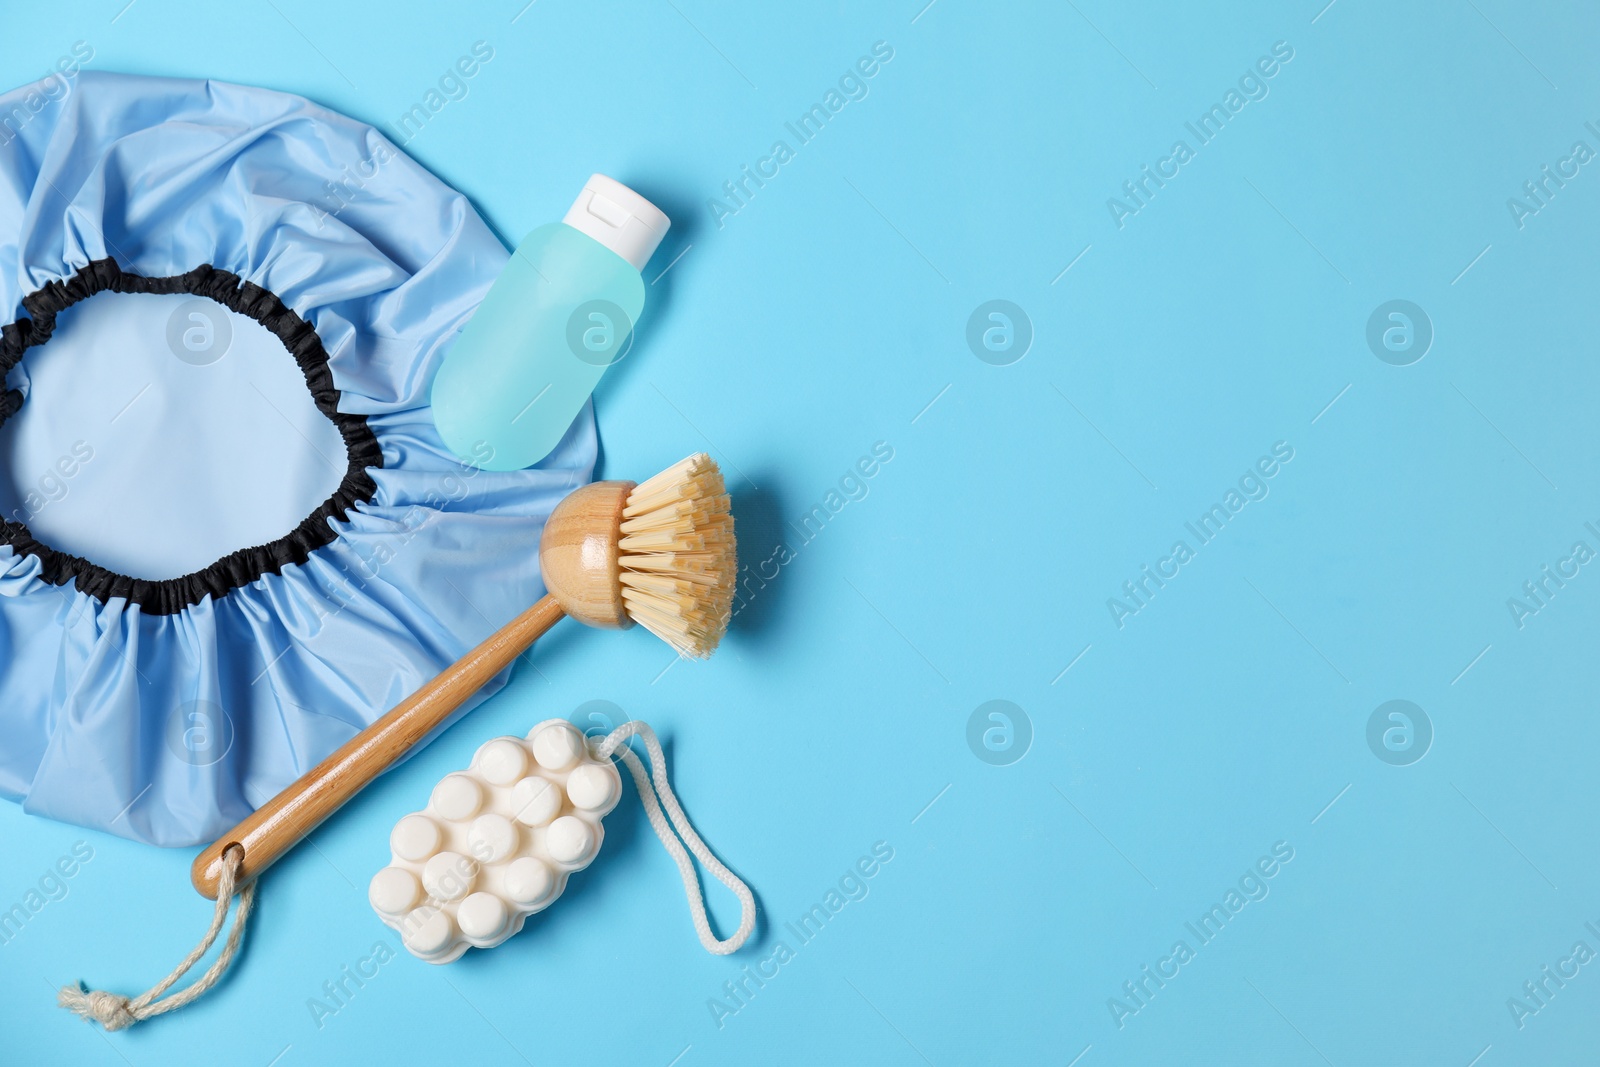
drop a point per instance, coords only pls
(165, 708)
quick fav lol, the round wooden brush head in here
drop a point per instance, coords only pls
(660, 553)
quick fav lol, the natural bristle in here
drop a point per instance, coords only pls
(677, 556)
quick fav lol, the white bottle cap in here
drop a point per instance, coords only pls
(618, 218)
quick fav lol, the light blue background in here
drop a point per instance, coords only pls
(826, 316)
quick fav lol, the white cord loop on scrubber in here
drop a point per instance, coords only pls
(675, 824)
(117, 1012)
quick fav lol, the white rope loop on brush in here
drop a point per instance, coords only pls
(117, 1012)
(675, 824)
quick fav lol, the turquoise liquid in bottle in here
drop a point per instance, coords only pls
(560, 313)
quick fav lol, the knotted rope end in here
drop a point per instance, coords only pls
(117, 1012)
(110, 1010)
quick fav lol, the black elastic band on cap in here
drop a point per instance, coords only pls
(171, 595)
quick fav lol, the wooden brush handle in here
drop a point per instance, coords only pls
(280, 824)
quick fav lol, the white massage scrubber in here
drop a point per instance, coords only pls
(496, 842)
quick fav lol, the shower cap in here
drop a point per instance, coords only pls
(230, 537)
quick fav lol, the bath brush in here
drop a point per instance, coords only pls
(659, 553)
